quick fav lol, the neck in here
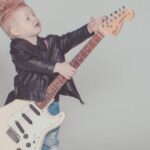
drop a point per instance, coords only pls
(32, 40)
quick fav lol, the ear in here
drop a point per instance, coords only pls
(15, 31)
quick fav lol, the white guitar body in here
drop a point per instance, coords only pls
(23, 125)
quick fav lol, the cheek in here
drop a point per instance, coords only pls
(26, 27)
(25, 24)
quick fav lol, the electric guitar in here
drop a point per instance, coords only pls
(24, 123)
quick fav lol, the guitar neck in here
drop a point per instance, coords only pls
(85, 51)
(60, 80)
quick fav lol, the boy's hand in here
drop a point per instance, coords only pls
(95, 24)
(65, 69)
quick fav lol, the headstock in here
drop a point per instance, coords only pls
(112, 24)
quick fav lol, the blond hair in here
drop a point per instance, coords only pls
(6, 9)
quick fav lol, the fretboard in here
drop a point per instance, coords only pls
(59, 81)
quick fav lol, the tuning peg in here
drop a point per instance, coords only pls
(111, 15)
(123, 7)
(104, 19)
(115, 12)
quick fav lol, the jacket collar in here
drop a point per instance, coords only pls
(24, 45)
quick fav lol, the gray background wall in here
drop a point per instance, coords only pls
(114, 81)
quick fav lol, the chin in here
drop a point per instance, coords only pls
(39, 31)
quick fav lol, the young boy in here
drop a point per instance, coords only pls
(37, 64)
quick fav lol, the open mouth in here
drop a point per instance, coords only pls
(38, 24)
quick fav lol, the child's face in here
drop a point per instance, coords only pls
(26, 23)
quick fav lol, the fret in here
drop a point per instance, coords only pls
(74, 63)
(97, 38)
(92, 43)
(50, 94)
(63, 78)
(56, 87)
(83, 53)
(41, 105)
(59, 82)
(48, 97)
(99, 35)
(53, 88)
(88, 48)
(44, 103)
(56, 84)
(78, 59)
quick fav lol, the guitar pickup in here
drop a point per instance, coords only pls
(13, 135)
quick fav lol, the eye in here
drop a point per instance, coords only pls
(33, 14)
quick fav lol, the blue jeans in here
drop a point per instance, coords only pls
(51, 141)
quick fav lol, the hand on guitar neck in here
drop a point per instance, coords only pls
(65, 69)
(95, 23)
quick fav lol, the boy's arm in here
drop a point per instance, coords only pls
(72, 39)
(26, 62)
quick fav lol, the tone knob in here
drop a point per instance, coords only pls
(25, 136)
(28, 145)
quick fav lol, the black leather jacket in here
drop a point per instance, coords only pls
(35, 63)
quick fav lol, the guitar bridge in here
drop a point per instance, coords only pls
(13, 135)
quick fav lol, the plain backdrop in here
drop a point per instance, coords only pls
(114, 81)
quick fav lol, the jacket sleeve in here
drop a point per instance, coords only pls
(72, 39)
(26, 62)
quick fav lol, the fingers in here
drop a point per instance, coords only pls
(68, 71)
(93, 25)
(71, 72)
(102, 19)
